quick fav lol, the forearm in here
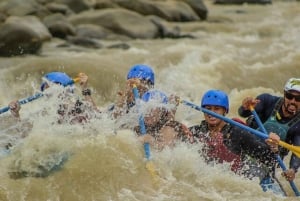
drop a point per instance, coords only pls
(251, 145)
(244, 113)
(294, 162)
(87, 94)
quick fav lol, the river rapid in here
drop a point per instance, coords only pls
(242, 49)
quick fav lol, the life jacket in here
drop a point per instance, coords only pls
(215, 150)
(273, 125)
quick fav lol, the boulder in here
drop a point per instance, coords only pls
(119, 21)
(76, 5)
(59, 26)
(91, 31)
(22, 8)
(169, 10)
(22, 35)
(199, 7)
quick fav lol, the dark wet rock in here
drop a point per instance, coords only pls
(2, 17)
(123, 46)
(165, 30)
(22, 35)
(61, 30)
(199, 7)
(59, 26)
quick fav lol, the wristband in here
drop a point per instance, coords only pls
(86, 92)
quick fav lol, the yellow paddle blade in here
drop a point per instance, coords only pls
(76, 79)
(292, 148)
(150, 167)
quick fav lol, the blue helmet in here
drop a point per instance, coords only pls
(57, 77)
(142, 72)
(157, 95)
(215, 98)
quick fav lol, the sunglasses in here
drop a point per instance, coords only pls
(291, 96)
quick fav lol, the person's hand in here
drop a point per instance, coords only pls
(83, 80)
(15, 107)
(141, 86)
(133, 81)
(249, 103)
(173, 99)
(289, 174)
(273, 141)
(146, 139)
(128, 96)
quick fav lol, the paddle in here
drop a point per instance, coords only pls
(33, 97)
(292, 148)
(261, 126)
(149, 165)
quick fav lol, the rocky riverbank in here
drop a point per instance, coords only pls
(27, 25)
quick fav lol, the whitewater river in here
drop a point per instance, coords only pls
(244, 50)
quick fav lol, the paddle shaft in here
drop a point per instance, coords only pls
(141, 123)
(196, 107)
(23, 101)
(280, 161)
(34, 97)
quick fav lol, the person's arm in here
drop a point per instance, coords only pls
(86, 92)
(273, 141)
(167, 137)
(294, 161)
(241, 141)
(247, 103)
(125, 98)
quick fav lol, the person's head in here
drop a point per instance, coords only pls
(216, 101)
(292, 96)
(57, 78)
(142, 72)
(156, 111)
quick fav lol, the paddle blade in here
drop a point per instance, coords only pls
(154, 175)
(292, 148)
(76, 79)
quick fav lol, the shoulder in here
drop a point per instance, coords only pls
(180, 128)
(267, 104)
(265, 97)
(202, 125)
(176, 125)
